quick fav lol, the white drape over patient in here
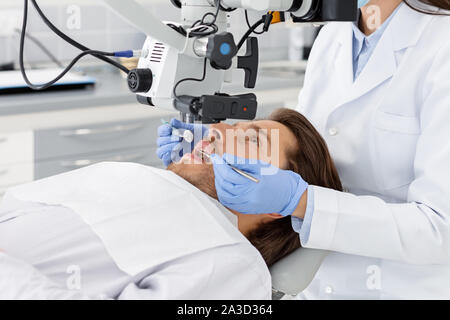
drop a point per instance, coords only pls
(145, 218)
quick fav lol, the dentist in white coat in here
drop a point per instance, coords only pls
(379, 93)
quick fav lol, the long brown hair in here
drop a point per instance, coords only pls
(438, 4)
(312, 160)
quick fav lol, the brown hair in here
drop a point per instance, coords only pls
(313, 162)
(440, 4)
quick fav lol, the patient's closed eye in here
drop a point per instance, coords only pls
(251, 139)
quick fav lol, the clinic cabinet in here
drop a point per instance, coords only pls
(35, 154)
(64, 149)
(16, 159)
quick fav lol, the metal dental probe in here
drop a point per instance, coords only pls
(242, 173)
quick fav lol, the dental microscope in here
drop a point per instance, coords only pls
(183, 65)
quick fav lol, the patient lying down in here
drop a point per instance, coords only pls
(126, 231)
(299, 148)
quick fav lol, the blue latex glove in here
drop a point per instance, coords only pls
(277, 192)
(170, 146)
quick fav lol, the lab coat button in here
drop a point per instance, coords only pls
(328, 290)
(333, 131)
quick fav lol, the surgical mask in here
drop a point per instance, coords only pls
(362, 3)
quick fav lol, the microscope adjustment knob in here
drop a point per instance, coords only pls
(250, 62)
(140, 80)
(221, 50)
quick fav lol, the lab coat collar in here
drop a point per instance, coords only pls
(344, 59)
(403, 31)
(407, 27)
(372, 39)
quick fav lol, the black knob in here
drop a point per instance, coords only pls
(140, 80)
(221, 50)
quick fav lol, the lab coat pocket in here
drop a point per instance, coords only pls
(395, 141)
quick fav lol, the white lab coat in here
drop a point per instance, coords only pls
(124, 231)
(389, 135)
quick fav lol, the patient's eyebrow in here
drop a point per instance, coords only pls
(262, 131)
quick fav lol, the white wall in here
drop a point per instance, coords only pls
(7, 3)
(101, 29)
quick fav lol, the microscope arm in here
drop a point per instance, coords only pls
(264, 5)
(146, 22)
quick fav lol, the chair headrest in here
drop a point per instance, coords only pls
(293, 274)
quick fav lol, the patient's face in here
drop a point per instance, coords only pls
(264, 140)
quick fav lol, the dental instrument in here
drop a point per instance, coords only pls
(242, 173)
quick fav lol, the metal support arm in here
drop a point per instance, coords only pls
(146, 22)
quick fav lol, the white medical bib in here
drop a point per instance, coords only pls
(144, 216)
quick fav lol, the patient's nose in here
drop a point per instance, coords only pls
(217, 136)
(214, 135)
(217, 132)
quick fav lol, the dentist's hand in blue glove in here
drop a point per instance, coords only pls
(171, 146)
(278, 191)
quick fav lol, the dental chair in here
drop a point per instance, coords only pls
(292, 274)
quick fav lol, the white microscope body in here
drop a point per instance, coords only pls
(171, 60)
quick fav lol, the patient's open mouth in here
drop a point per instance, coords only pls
(197, 156)
(203, 146)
